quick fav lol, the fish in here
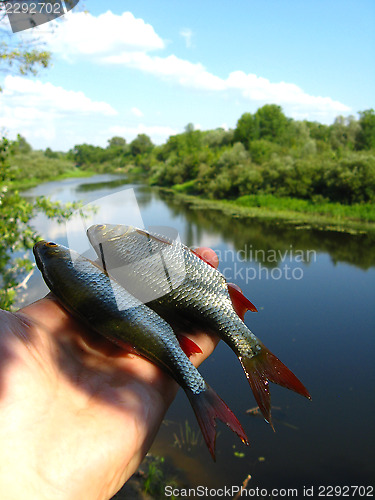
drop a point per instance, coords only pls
(87, 292)
(183, 288)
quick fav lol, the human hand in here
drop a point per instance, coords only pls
(78, 414)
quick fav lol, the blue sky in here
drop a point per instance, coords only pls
(152, 67)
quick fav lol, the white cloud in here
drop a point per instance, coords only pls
(289, 95)
(251, 87)
(185, 73)
(33, 94)
(126, 40)
(82, 33)
(46, 112)
(157, 133)
(136, 112)
(187, 34)
(35, 109)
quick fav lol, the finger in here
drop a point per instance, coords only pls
(208, 255)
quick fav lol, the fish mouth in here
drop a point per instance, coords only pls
(40, 250)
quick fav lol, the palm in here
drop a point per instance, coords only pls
(85, 413)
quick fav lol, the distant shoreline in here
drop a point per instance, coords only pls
(22, 185)
(300, 220)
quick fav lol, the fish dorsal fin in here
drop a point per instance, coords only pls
(188, 346)
(240, 303)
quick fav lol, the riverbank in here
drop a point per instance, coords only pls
(25, 170)
(23, 184)
(301, 214)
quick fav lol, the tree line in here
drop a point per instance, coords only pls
(267, 153)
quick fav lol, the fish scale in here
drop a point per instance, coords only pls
(186, 288)
(98, 301)
(208, 283)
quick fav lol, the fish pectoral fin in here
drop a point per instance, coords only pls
(241, 304)
(208, 407)
(263, 368)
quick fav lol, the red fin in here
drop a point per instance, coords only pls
(240, 303)
(263, 368)
(208, 407)
(188, 346)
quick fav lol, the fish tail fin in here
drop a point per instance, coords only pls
(263, 368)
(208, 407)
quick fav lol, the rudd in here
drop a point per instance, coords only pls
(185, 290)
(91, 296)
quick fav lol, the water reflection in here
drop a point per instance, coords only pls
(96, 186)
(250, 235)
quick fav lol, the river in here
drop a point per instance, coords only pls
(315, 293)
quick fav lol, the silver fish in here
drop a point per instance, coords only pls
(181, 287)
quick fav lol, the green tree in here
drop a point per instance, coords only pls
(19, 56)
(343, 132)
(116, 142)
(365, 138)
(193, 139)
(50, 154)
(20, 145)
(86, 154)
(261, 150)
(318, 131)
(218, 138)
(271, 123)
(247, 129)
(140, 145)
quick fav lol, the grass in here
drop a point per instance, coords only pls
(33, 168)
(363, 212)
(188, 437)
(357, 218)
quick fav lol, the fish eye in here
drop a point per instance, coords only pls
(101, 226)
(51, 244)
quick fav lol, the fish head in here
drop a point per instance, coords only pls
(50, 255)
(101, 233)
(65, 272)
(47, 251)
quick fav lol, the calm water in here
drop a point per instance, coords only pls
(315, 292)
